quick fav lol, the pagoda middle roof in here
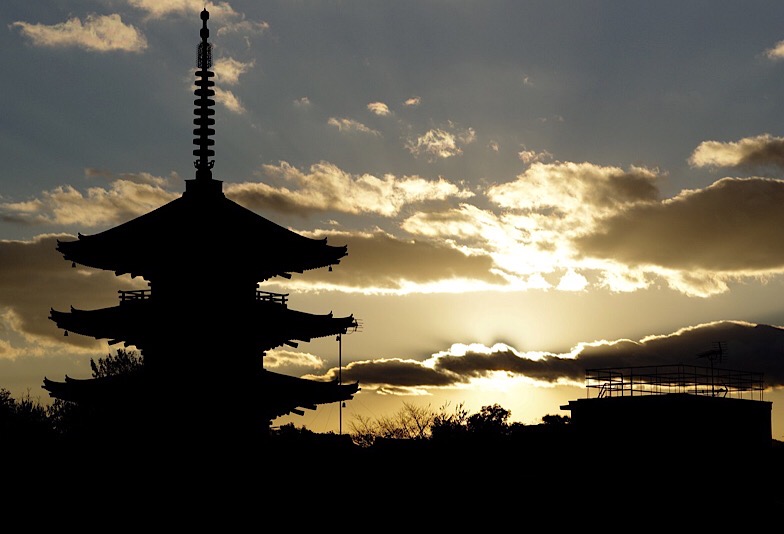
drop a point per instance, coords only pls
(139, 323)
(201, 231)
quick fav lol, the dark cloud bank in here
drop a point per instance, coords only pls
(749, 347)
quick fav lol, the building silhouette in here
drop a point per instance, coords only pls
(203, 325)
(674, 411)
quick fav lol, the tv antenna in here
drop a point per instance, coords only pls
(716, 354)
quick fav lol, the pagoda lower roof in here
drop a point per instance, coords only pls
(140, 323)
(279, 394)
(201, 231)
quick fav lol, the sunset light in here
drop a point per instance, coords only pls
(525, 190)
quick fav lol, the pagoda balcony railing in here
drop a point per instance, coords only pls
(144, 294)
(267, 296)
(134, 294)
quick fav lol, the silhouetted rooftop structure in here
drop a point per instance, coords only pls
(672, 409)
(203, 325)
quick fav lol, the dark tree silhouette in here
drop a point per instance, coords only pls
(80, 424)
(122, 362)
(489, 420)
(556, 420)
(448, 426)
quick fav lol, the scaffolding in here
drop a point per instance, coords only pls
(678, 378)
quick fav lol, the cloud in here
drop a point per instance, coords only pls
(731, 227)
(575, 190)
(466, 225)
(144, 178)
(162, 8)
(65, 205)
(34, 277)
(516, 253)
(380, 262)
(762, 151)
(412, 102)
(440, 143)
(546, 207)
(379, 108)
(228, 70)
(326, 187)
(751, 348)
(350, 125)
(531, 156)
(230, 100)
(277, 358)
(776, 52)
(572, 281)
(98, 33)
(243, 26)
(302, 102)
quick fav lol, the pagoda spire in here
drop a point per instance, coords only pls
(204, 103)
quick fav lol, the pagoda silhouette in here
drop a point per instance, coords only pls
(203, 326)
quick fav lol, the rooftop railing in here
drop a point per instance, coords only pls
(664, 379)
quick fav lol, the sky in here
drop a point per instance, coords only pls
(527, 189)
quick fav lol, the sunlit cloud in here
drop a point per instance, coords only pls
(515, 253)
(326, 187)
(144, 178)
(545, 209)
(379, 108)
(228, 70)
(243, 26)
(440, 143)
(624, 279)
(752, 152)
(702, 283)
(65, 205)
(531, 156)
(572, 281)
(302, 102)
(466, 225)
(412, 102)
(277, 358)
(380, 263)
(350, 125)
(575, 190)
(776, 52)
(229, 99)
(98, 33)
(162, 8)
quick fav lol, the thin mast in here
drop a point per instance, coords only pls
(204, 104)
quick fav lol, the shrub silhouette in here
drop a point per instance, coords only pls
(23, 423)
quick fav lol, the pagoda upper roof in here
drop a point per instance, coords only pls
(201, 233)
